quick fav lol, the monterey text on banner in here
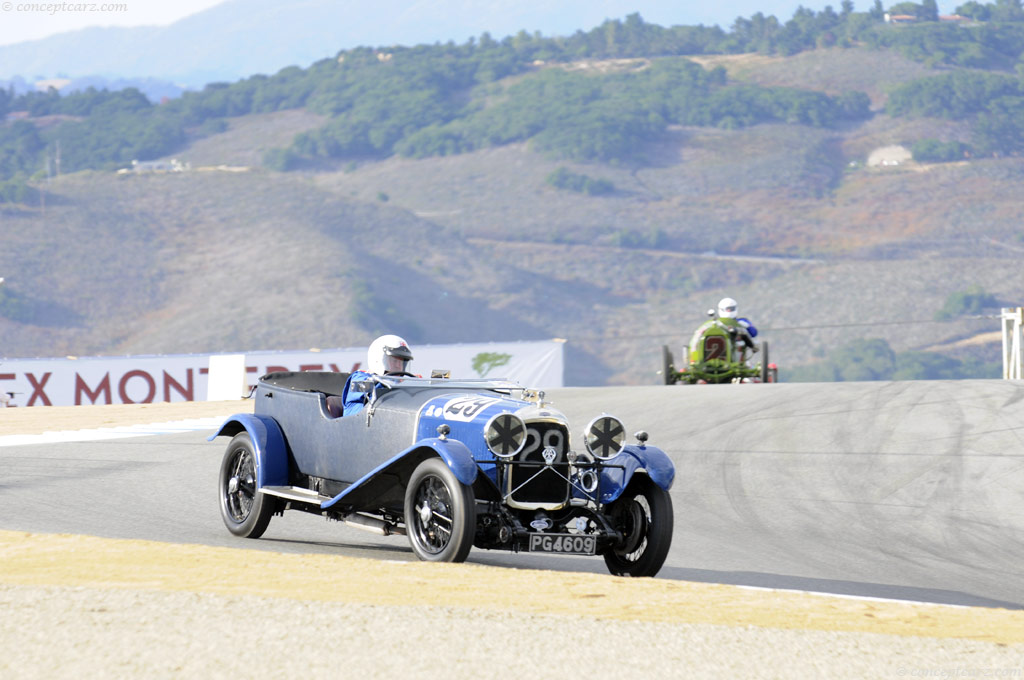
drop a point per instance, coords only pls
(184, 377)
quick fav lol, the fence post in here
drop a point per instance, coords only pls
(1013, 348)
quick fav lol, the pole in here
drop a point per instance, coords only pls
(1013, 348)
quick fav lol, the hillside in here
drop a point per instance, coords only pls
(818, 247)
(238, 38)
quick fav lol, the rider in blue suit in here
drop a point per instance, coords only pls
(727, 310)
(387, 355)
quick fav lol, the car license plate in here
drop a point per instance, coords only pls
(573, 544)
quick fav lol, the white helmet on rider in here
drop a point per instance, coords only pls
(727, 308)
(387, 355)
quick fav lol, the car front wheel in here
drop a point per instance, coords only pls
(245, 512)
(644, 516)
(440, 513)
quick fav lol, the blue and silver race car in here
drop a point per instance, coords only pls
(451, 464)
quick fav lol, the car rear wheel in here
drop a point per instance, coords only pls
(766, 375)
(245, 512)
(668, 368)
(644, 516)
(440, 513)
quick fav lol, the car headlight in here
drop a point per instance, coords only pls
(505, 435)
(604, 437)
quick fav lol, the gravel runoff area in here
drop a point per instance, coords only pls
(81, 606)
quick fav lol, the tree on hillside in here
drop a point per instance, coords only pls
(759, 33)
(1000, 130)
(874, 359)
(1008, 10)
(906, 8)
(6, 98)
(21, 149)
(935, 151)
(970, 301)
(974, 10)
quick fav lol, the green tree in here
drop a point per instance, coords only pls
(970, 301)
(1008, 10)
(926, 366)
(865, 360)
(563, 178)
(975, 10)
(1000, 130)
(874, 360)
(935, 151)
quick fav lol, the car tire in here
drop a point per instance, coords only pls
(668, 368)
(245, 511)
(440, 513)
(766, 375)
(644, 516)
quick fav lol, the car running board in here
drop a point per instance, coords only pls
(295, 493)
(352, 519)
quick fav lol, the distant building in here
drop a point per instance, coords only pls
(55, 83)
(174, 165)
(887, 156)
(900, 18)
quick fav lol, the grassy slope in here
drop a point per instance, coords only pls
(479, 247)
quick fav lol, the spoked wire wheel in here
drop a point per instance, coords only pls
(245, 511)
(644, 516)
(440, 513)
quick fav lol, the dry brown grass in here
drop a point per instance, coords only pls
(199, 262)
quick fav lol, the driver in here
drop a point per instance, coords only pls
(746, 330)
(387, 355)
(741, 330)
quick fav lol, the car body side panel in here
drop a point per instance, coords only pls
(395, 472)
(267, 439)
(343, 449)
(657, 464)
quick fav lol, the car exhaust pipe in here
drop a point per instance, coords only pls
(371, 524)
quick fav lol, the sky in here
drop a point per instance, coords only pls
(22, 20)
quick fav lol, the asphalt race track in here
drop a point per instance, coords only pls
(906, 490)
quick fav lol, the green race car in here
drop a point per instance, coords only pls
(720, 351)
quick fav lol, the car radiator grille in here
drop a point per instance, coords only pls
(525, 485)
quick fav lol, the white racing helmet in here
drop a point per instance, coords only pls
(388, 354)
(727, 308)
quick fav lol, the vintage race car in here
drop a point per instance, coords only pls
(451, 464)
(719, 353)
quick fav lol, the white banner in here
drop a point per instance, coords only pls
(184, 377)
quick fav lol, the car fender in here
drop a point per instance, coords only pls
(267, 439)
(615, 477)
(454, 453)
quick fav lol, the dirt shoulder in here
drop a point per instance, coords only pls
(86, 561)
